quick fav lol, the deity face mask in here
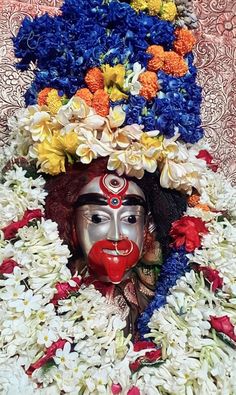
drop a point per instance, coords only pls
(110, 219)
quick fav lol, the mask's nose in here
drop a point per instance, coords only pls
(114, 232)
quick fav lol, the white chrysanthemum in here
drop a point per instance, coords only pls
(19, 193)
(219, 251)
(42, 255)
(218, 193)
(13, 379)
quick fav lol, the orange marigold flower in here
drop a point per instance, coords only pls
(174, 64)
(184, 42)
(149, 89)
(203, 207)
(101, 102)
(94, 79)
(42, 96)
(157, 61)
(193, 200)
(86, 95)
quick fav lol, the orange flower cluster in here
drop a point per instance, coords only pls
(193, 200)
(150, 86)
(101, 102)
(203, 207)
(184, 42)
(95, 96)
(157, 61)
(174, 64)
(86, 95)
(168, 61)
(94, 79)
(42, 96)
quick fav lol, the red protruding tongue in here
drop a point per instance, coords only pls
(115, 267)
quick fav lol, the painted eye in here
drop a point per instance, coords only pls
(97, 219)
(131, 219)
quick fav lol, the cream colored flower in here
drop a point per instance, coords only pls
(131, 82)
(90, 147)
(76, 109)
(116, 117)
(127, 161)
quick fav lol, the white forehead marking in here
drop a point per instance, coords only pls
(114, 183)
(94, 187)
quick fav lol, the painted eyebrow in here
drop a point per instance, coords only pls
(96, 198)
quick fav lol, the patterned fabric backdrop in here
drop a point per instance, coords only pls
(215, 58)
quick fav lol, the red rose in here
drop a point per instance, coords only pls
(10, 231)
(223, 324)
(212, 276)
(207, 157)
(64, 289)
(7, 266)
(187, 231)
(50, 352)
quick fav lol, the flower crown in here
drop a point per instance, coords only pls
(128, 93)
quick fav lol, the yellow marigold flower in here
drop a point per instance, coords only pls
(54, 101)
(154, 6)
(114, 75)
(139, 5)
(168, 11)
(52, 154)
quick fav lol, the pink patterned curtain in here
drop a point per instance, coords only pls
(215, 59)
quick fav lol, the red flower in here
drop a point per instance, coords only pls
(212, 276)
(208, 158)
(50, 352)
(153, 356)
(150, 356)
(187, 231)
(223, 325)
(7, 266)
(10, 231)
(116, 389)
(133, 391)
(64, 289)
(143, 345)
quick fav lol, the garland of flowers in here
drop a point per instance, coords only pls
(51, 323)
(102, 65)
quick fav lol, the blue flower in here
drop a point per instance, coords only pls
(175, 266)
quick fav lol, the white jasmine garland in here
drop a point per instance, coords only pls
(19, 193)
(96, 354)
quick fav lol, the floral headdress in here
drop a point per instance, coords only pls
(114, 79)
(124, 90)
